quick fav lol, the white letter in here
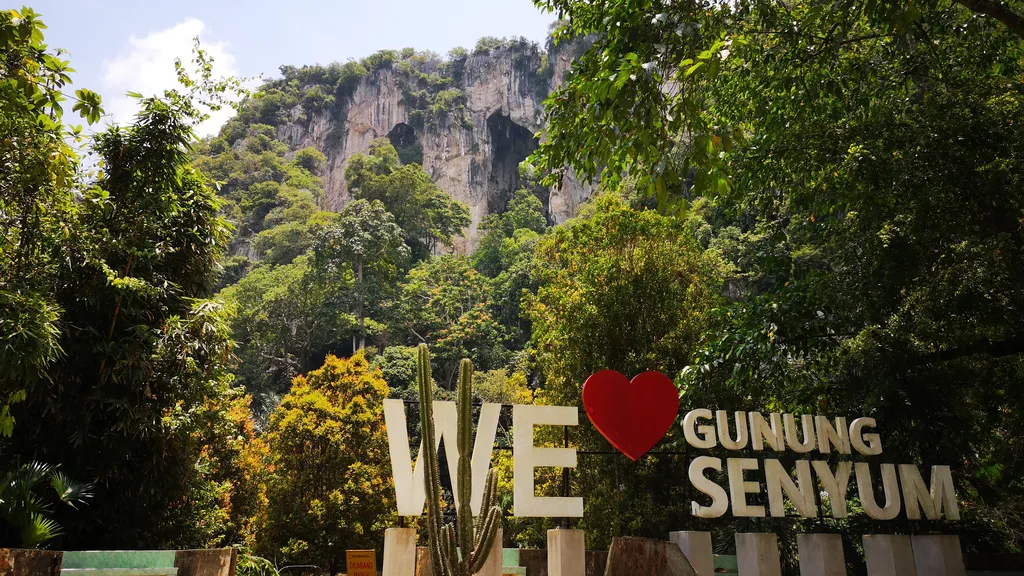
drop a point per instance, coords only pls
(837, 436)
(410, 493)
(867, 492)
(917, 496)
(719, 499)
(759, 431)
(704, 436)
(738, 488)
(867, 444)
(722, 417)
(802, 495)
(527, 457)
(807, 423)
(835, 486)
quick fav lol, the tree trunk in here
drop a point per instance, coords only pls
(999, 11)
(362, 319)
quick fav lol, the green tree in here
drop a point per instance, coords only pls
(631, 291)
(37, 175)
(865, 164)
(127, 404)
(331, 489)
(428, 217)
(506, 255)
(445, 303)
(524, 212)
(285, 319)
(364, 243)
(310, 159)
(397, 365)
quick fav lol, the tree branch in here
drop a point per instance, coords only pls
(998, 10)
(994, 349)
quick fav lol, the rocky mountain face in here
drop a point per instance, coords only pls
(472, 153)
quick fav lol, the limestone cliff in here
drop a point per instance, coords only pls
(474, 154)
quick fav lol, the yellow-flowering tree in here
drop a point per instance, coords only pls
(331, 489)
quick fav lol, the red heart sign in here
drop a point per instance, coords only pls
(632, 415)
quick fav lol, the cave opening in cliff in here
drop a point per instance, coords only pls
(403, 138)
(510, 145)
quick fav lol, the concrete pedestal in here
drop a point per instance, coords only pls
(696, 546)
(888, 555)
(757, 554)
(399, 552)
(493, 565)
(938, 555)
(566, 553)
(821, 555)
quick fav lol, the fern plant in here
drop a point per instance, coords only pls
(26, 509)
(463, 548)
(249, 565)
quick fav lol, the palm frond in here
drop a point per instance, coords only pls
(38, 530)
(69, 491)
(31, 504)
(32, 474)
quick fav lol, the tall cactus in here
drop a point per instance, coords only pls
(474, 539)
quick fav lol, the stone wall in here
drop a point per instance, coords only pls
(216, 562)
(16, 562)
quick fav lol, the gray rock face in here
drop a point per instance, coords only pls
(474, 159)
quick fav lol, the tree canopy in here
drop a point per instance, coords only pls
(862, 162)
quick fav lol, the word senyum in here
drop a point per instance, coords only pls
(779, 432)
(903, 487)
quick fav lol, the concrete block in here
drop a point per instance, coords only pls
(399, 552)
(696, 546)
(938, 555)
(630, 556)
(216, 562)
(566, 553)
(821, 555)
(757, 554)
(888, 555)
(19, 562)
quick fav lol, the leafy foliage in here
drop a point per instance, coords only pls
(26, 512)
(625, 290)
(839, 231)
(366, 244)
(135, 391)
(446, 303)
(863, 161)
(331, 489)
(428, 217)
(37, 168)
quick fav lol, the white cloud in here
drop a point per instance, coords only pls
(146, 65)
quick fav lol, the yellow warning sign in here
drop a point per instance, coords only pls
(361, 562)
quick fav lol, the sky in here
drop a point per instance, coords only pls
(121, 45)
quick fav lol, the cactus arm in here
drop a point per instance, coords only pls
(431, 475)
(489, 498)
(465, 440)
(487, 535)
(455, 565)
